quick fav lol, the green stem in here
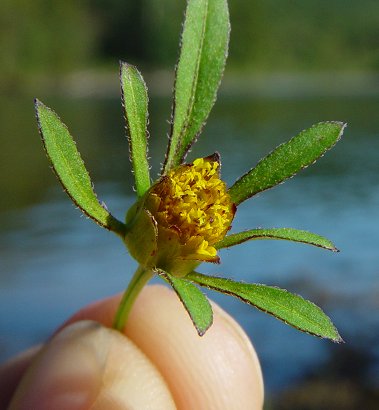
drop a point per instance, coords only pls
(139, 280)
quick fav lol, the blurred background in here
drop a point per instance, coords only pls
(291, 64)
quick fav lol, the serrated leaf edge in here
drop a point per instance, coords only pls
(343, 126)
(114, 225)
(338, 338)
(219, 244)
(123, 65)
(167, 278)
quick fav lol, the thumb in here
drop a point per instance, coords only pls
(89, 366)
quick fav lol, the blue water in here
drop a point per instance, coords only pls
(53, 261)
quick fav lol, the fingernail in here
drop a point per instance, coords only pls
(68, 372)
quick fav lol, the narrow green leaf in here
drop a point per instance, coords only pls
(291, 309)
(70, 170)
(287, 159)
(204, 48)
(135, 100)
(141, 237)
(288, 234)
(194, 301)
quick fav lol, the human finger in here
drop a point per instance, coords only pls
(12, 371)
(85, 366)
(219, 370)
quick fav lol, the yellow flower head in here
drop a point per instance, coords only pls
(193, 201)
(192, 211)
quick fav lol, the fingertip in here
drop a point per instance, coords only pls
(131, 380)
(219, 370)
(12, 371)
(252, 365)
(89, 366)
(66, 374)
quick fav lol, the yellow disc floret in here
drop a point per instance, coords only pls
(193, 201)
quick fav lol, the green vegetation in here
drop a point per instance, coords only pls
(41, 37)
(183, 218)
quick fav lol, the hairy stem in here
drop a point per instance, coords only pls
(139, 280)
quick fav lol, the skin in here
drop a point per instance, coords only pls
(158, 363)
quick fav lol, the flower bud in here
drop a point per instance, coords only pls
(175, 226)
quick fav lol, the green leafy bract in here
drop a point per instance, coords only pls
(291, 309)
(204, 48)
(141, 238)
(288, 234)
(135, 100)
(287, 159)
(70, 170)
(195, 302)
